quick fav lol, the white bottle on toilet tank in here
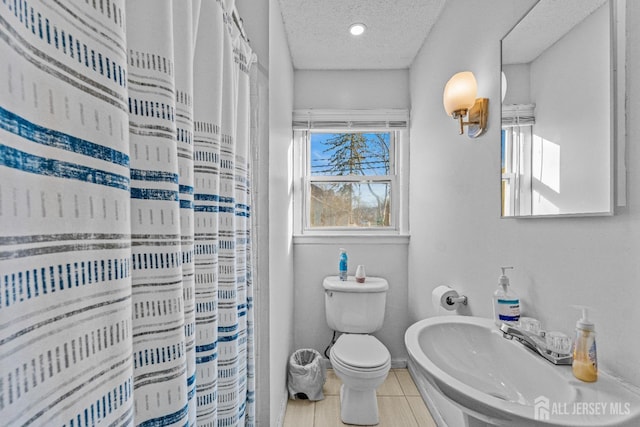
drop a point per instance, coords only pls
(506, 304)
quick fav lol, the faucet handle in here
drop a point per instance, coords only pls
(531, 325)
(558, 342)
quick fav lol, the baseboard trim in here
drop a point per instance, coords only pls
(398, 363)
(283, 410)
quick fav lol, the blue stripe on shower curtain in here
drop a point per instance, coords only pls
(66, 321)
(28, 130)
(125, 244)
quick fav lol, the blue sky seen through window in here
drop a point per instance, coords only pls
(361, 203)
(366, 153)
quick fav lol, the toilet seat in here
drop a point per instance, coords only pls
(360, 353)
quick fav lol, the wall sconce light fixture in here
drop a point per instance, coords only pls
(459, 100)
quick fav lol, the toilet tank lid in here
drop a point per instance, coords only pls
(371, 284)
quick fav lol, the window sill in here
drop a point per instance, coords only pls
(351, 239)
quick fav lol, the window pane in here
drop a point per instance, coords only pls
(346, 204)
(345, 154)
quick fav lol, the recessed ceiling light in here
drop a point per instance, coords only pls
(357, 29)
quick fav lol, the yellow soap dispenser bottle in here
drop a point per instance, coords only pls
(585, 359)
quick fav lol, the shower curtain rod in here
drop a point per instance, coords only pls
(239, 24)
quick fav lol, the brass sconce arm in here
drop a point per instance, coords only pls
(477, 115)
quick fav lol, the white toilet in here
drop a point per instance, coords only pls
(358, 359)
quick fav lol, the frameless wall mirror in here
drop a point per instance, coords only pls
(558, 121)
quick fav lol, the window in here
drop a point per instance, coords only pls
(350, 179)
(517, 122)
(349, 172)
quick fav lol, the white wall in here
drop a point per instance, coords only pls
(318, 257)
(255, 15)
(382, 258)
(571, 87)
(260, 208)
(457, 234)
(280, 213)
(518, 83)
(352, 89)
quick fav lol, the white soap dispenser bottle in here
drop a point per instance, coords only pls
(506, 304)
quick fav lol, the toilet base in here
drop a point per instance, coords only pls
(359, 407)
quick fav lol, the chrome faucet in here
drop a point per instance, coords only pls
(535, 343)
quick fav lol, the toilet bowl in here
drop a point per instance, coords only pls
(362, 363)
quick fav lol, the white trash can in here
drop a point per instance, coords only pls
(306, 375)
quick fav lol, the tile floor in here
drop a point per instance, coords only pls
(399, 405)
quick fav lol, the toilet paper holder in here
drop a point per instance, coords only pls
(448, 298)
(462, 299)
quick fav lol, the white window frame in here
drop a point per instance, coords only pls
(517, 120)
(398, 177)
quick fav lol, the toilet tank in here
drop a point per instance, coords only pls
(355, 307)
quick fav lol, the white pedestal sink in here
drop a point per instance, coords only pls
(495, 381)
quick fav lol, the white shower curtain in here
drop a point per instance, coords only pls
(125, 273)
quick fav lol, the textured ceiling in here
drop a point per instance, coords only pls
(545, 24)
(319, 38)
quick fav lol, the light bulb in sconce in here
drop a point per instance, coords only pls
(459, 99)
(460, 93)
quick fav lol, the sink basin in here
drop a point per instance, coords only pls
(495, 381)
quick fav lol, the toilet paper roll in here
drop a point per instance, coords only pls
(439, 297)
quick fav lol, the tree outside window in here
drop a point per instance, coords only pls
(350, 179)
